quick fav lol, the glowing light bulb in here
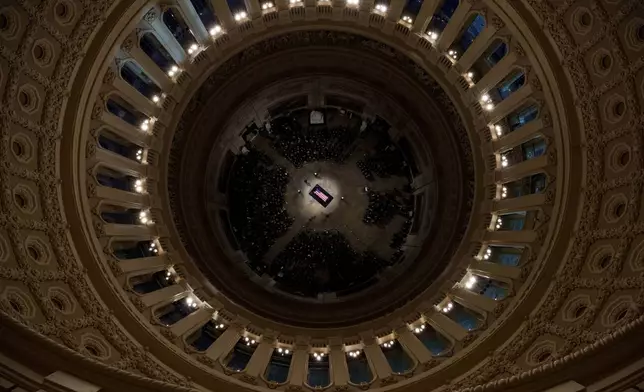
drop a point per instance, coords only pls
(381, 8)
(216, 29)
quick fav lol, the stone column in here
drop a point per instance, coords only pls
(413, 345)
(510, 236)
(494, 270)
(395, 10)
(496, 74)
(509, 104)
(473, 300)
(120, 162)
(477, 48)
(168, 41)
(519, 136)
(448, 326)
(224, 14)
(377, 358)
(338, 363)
(194, 22)
(116, 230)
(254, 9)
(427, 11)
(144, 263)
(195, 319)
(166, 294)
(134, 97)
(117, 123)
(454, 26)
(521, 203)
(158, 75)
(132, 199)
(522, 169)
(299, 362)
(261, 357)
(224, 343)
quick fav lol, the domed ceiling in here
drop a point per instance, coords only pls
(335, 64)
(500, 250)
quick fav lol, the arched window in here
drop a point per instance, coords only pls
(112, 142)
(436, 343)
(510, 84)
(205, 336)
(120, 215)
(178, 28)
(494, 53)
(206, 13)
(466, 318)
(156, 52)
(397, 357)
(169, 315)
(442, 16)
(528, 185)
(412, 8)
(518, 118)
(236, 6)
(126, 112)
(240, 355)
(471, 29)
(148, 283)
(359, 368)
(279, 365)
(504, 255)
(513, 221)
(531, 149)
(132, 73)
(127, 250)
(488, 287)
(318, 375)
(115, 179)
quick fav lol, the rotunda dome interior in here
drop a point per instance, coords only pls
(342, 195)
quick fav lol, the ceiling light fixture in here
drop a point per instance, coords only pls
(215, 30)
(382, 8)
(174, 71)
(241, 15)
(193, 49)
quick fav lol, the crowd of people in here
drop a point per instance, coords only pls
(256, 203)
(323, 261)
(384, 163)
(314, 262)
(304, 144)
(383, 206)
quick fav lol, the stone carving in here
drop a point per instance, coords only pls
(128, 44)
(497, 22)
(136, 360)
(248, 379)
(388, 381)
(151, 15)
